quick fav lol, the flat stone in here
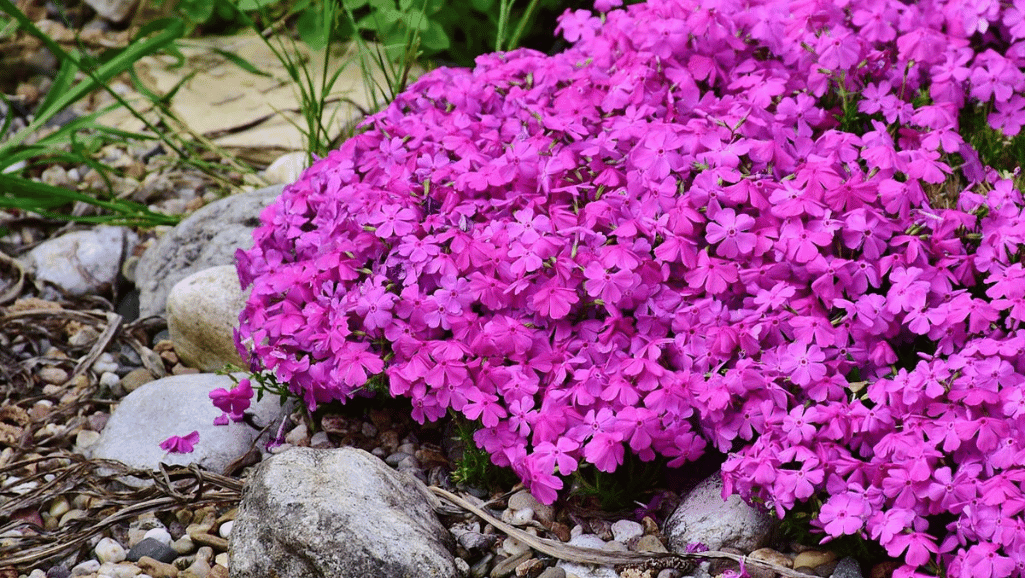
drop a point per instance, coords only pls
(202, 315)
(847, 568)
(207, 238)
(81, 262)
(176, 406)
(336, 512)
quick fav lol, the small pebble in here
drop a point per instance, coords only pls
(37, 573)
(58, 571)
(59, 507)
(109, 550)
(104, 363)
(626, 530)
(86, 439)
(222, 559)
(298, 434)
(154, 549)
(225, 529)
(159, 534)
(553, 572)
(156, 568)
(85, 568)
(650, 543)
(53, 375)
(514, 547)
(109, 379)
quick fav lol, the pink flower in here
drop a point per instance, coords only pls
(731, 229)
(235, 402)
(179, 444)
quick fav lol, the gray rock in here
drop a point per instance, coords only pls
(113, 10)
(178, 405)
(82, 262)
(339, 513)
(207, 238)
(848, 568)
(704, 517)
(154, 549)
(202, 314)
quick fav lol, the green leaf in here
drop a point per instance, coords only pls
(434, 38)
(414, 20)
(311, 29)
(482, 5)
(250, 5)
(354, 4)
(43, 199)
(61, 84)
(240, 62)
(198, 11)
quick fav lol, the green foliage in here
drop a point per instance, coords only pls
(74, 141)
(623, 489)
(475, 468)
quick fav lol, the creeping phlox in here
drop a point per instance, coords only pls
(785, 230)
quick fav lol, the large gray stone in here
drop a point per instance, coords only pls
(207, 238)
(339, 513)
(202, 314)
(177, 406)
(704, 517)
(82, 262)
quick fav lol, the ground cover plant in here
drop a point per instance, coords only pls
(789, 230)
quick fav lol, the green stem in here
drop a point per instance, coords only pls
(514, 42)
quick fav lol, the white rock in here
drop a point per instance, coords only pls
(37, 573)
(626, 530)
(82, 262)
(287, 168)
(113, 10)
(176, 406)
(86, 439)
(109, 379)
(105, 363)
(222, 559)
(109, 550)
(703, 516)
(86, 568)
(160, 535)
(225, 529)
(514, 547)
(202, 314)
(297, 435)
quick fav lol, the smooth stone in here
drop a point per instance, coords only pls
(207, 238)
(159, 534)
(767, 555)
(626, 530)
(85, 568)
(650, 543)
(135, 379)
(553, 572)
(523, 500)
(156, 568)
(704, 517)
(337, 512)
(814, 558)
(109, 550)
(82, 262)
(847, 568)
(151, 548)
(178, 405)
(202, 315)
(113, 10)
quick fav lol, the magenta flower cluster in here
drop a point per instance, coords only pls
(707, 223)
